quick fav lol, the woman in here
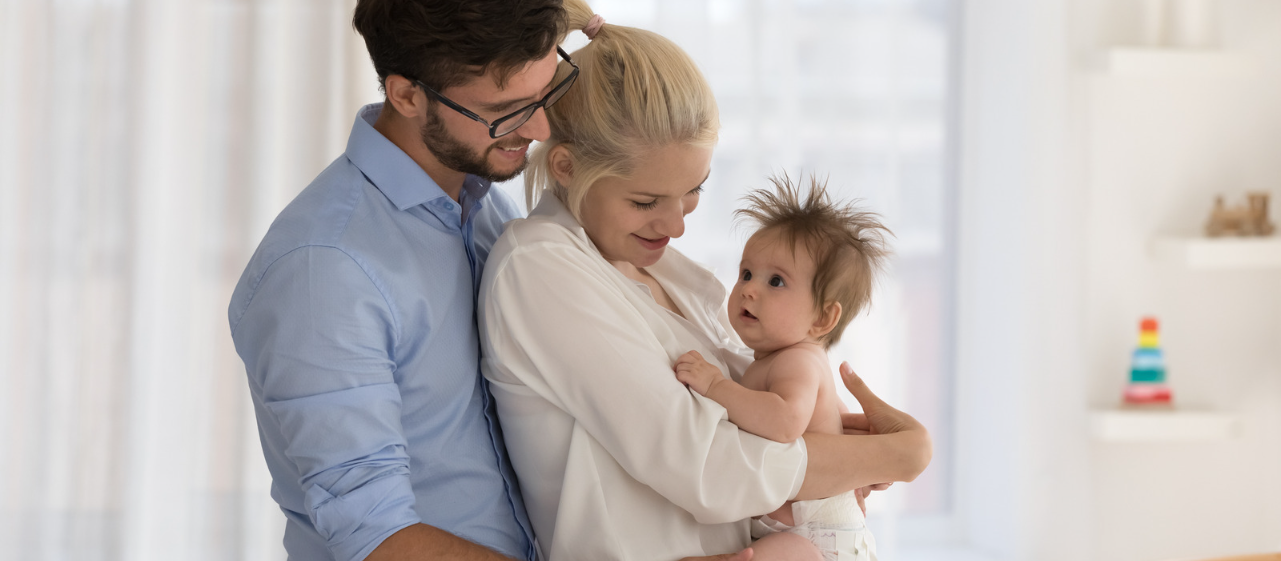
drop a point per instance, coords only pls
(583, 311)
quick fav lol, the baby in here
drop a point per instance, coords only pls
(805, 273)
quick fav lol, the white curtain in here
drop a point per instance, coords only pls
(145, 146)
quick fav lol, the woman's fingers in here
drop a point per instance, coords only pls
(855, 422)
(858, 388)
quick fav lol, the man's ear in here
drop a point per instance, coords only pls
(405, 97)
(827, 320)
(561, 163)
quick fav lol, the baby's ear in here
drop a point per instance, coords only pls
(827, 320)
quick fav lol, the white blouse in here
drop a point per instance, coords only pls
(616, 458)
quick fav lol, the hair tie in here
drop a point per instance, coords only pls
(593, 26)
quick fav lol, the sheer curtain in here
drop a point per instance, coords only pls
(145, 146)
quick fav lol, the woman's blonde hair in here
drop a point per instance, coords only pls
(636, 91)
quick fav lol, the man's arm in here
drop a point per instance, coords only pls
(421, 541)
(317, 339)
(781, 413)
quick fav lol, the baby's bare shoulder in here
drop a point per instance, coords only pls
(802, 361)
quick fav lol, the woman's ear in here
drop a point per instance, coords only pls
(561, 163)
(827, 320)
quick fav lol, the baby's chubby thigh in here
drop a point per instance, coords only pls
(785, 546)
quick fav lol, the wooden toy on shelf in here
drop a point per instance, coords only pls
(1147, 369)
(1249, 220)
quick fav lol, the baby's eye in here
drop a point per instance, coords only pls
(747, 275)
(776, 281)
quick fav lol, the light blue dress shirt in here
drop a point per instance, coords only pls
(356, 321)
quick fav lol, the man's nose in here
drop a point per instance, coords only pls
(537, 127)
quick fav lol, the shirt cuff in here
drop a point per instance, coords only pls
(799, 478)
(354, 524)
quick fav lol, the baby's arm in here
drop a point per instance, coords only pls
(782, 413)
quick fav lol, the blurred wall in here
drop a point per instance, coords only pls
(1158, 145)
(1068, 171)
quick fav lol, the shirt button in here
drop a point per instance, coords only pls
(449, 206)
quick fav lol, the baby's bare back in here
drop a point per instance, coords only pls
(809, 361)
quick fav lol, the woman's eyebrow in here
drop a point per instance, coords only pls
(661, 195)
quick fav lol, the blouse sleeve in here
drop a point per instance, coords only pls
(556, 323)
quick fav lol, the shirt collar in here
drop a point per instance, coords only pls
(392, 171)
(549, 206)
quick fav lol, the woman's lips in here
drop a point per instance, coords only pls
(649, 244)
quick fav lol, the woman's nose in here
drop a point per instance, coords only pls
(672, 222)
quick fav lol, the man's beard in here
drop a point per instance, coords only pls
(457, 156)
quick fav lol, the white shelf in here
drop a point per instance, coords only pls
(1162, 425)
(1170, 62)
(1220, 253)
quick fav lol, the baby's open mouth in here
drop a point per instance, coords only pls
(748, 315)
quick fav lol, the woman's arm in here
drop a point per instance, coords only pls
(898, 450)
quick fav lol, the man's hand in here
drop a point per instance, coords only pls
(745, 555)
(697, 373)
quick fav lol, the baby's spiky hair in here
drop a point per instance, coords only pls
(846, 242)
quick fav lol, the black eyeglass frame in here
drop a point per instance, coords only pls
(530, 109)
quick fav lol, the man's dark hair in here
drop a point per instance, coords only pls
(444, 42)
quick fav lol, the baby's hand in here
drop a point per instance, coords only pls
(697, 373)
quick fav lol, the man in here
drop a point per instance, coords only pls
(355, 316)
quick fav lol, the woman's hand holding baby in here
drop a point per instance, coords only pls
(896, 448)
(694, 371)
(877, 417)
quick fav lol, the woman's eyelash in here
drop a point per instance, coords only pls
(645, 206)
(697, 190)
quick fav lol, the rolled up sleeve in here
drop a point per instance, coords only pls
(317, 338)
(568, 332)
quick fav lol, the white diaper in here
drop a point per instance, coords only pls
(835, 525)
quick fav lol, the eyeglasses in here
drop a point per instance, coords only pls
(512, 121)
